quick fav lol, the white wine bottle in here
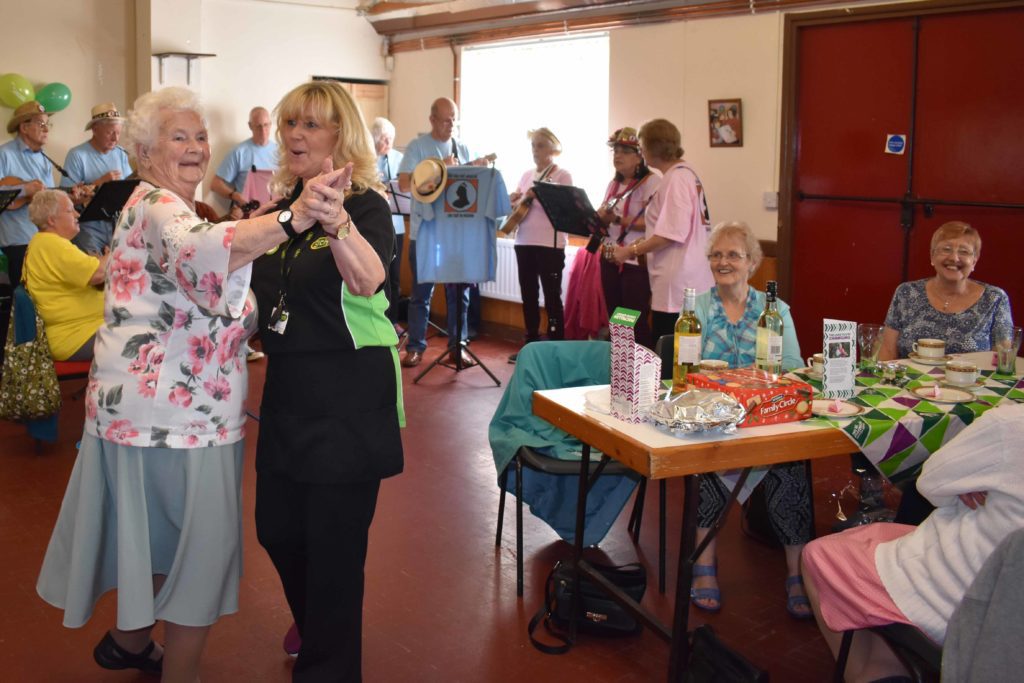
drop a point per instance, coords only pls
(686, 344)
(769, 333)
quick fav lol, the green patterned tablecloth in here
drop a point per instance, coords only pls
(899, 430)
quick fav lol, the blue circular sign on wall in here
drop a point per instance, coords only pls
(895, 144)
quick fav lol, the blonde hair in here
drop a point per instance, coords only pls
(954, 229)
(545, 132)
(143, 126)
(661, 139)
(743, 231)
(45, 205)
(331, 106)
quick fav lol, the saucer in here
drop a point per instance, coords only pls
(947, 394)
(809, 372)
(928, 360)
(821, 408)
(973, 386)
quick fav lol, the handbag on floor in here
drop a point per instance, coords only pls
(712, 661)
(29, 389)
(598, 614)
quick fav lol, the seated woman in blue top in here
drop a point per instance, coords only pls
(729, 313)
(967, 314)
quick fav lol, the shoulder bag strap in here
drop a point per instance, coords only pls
(544, 615)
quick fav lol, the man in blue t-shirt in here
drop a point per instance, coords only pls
(257, 153)
(96, 161)
(440, 143)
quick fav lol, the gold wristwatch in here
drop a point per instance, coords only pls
(343, 230)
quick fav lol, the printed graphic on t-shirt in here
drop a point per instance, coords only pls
(460, 196)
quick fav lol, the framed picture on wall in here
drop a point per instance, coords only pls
(725, 120)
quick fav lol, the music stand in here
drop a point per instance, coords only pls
(6, 197)
(109, 200)
(456, 365)
(399, 202)
(568, 208)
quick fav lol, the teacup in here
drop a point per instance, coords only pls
(817, 363)
(962, 373)
(930, 348)
(713, 365)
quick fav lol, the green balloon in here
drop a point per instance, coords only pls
(15, 90)
(54, 97)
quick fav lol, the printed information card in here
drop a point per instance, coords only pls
(839, 346)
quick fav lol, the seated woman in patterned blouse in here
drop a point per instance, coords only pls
(729, 311)
(967, 314)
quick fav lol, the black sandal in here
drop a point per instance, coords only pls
(110, 655)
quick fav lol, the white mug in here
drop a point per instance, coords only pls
(817, 363)
(930, 348)
(962, 373)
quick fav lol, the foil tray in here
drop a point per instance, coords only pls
(698, 410)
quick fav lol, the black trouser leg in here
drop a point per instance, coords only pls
(529, 268)
(15, 259)
(552, 264)
(316, 536)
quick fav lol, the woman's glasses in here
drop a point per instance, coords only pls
(948, 250)
(728, 257)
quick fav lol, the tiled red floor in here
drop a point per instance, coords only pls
(440, 598)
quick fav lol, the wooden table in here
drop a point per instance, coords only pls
(657, 455)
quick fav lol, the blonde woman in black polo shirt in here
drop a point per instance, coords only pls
(332, 403)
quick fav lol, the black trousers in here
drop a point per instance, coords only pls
(663, 323)
(629, 286)
(316, 536)
(15, 259)
(541, 267)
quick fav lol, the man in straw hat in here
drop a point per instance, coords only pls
(25, 168)
(96, 161)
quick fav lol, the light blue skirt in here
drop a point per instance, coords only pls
(130, 513)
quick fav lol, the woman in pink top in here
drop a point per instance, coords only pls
(540, 250)
(677, 228)
(623, 212)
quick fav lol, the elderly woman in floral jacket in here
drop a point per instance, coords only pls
(153, 507)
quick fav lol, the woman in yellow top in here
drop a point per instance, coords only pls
(63, 281)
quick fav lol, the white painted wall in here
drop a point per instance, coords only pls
(85, 44)
(417, 80)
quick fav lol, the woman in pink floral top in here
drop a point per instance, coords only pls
(153, 504)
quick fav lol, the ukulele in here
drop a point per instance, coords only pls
(9, 181)
(522, 207)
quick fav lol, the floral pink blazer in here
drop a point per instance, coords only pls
(169, 366)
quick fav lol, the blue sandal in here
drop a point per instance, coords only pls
(710, 594)
(795, 601)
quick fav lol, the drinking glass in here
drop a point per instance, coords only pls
(1007, 344)
(869, 339)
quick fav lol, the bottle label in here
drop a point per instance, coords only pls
(689, 348)
(774, 348)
